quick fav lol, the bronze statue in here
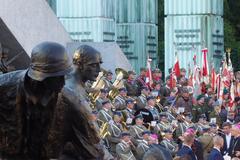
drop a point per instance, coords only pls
(28, 101)
(77, 138)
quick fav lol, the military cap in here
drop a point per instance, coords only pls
(94, 112)
(131, 72)
(162, 114)
(125, 133)
(143, 69)
(199, 97)
(104, 90)
(150, 97)
(157, 70)
(129, 101)
(109, 72)
(105, 101)
(146, 132)
(117, 113)
(167, 131)
(213, 125)
(185, 89)
(183, 70)
(205, 128)
(139, 116)
(122, 89)
(203, 116)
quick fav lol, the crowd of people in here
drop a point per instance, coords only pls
(64, 109)
(143, 115)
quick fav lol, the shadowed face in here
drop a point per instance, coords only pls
(91, 68)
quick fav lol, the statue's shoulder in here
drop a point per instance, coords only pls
(11, 78)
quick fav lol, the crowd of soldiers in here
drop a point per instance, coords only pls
(60, 109)
(141, 116)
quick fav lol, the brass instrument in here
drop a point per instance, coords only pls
(103, 132)
(97, 85)
(121, 74)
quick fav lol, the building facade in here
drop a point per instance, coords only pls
(132, 24)
(191, 26)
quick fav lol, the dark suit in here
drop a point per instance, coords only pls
(215, 155)
(226, 150)
(236, 146)
(185, 150)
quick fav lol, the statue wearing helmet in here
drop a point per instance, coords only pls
(28, 100)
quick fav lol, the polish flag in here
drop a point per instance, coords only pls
(213, 79)
(149, 73)
(232, 96)
(176, 67)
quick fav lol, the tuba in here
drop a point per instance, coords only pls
(103, 132)
(121, 74)
(97, 85)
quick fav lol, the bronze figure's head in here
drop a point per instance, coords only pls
(87, 61)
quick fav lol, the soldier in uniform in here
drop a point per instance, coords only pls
(199, 108)
(151, 102)
(141, 79)
(142, 99)
(202, 122)
(105, 114)
(168, 142)
(108, 80)
(131, 85)
(115, 129)
(137, 129)
(143, 145)
(125, 148)
(28, 101)
(163, 124)
(103, 95)
(129, 112)
(185, 100)
(119, 101)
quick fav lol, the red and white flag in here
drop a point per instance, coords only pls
(213, 79)
(176, 67)
(232, 96)
(149, 73)
(205, 70)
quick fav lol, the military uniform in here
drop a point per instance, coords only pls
(154, 112)
(132, 88)
(136, 133)
(115, 135)
(142, 148)
(98, 103)
(198, 110)
(128, 114)
(161, 126)
(105, 115)
(108, 84)
(119, 102)
(170, 145)
(124, 151)
(141, 101)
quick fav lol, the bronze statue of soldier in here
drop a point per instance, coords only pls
(28, 101)
(73, 135)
